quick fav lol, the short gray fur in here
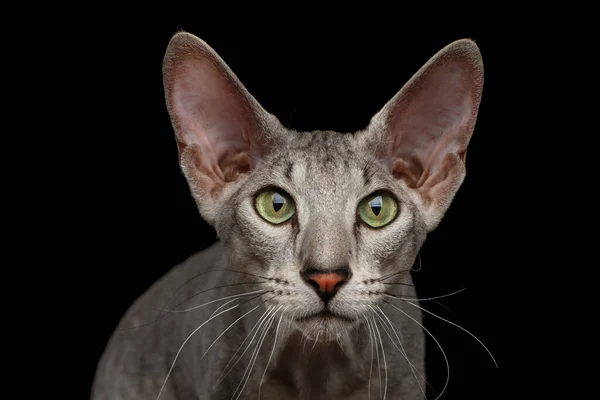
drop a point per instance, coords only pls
(414, 149)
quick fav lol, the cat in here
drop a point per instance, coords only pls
(315, 228)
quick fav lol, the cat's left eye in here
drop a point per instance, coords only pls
(377, 210)
(275, 206)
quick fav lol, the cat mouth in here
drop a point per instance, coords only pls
(324, 315)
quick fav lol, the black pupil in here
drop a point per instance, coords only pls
(278, 202)
(375, 205)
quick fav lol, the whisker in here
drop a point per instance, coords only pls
(458, 326)
(368, 328)
(257, 350)
(371, 371)
(436, 341)
(259, 331)
(208, 272)
(214, 288)
(442, 305)
(270, 356)
(257, 326)
(244, 302)
(168, 311)
(223, 306)
(384, 361)
(396, 333)
(184, 342)
(235, 297)
(255, 297)
(224, 270)
(291, 319)
(401, 297)
(233, 323)
(377, 354)
(383, 278)
(398, 283)
(403, 350)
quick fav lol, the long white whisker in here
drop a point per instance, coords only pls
(403, 350)
(371, 345)
(226, 329)
(270, 356)
(223, 306)
(257, 326)
(184, 342)
(377, 354)
(428, 298)
(438, 344)
(384, 361)
(291, 320)
(256, 351)
(458, 326)
(259, 332)
(212, 301)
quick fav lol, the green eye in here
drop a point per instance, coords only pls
(377, 210)
(275, 206)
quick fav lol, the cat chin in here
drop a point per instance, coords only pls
(324, 329)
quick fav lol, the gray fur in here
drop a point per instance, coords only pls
(327, 174)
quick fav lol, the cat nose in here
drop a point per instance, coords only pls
(326, 283)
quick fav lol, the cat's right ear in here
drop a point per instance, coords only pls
(222, 132)
(423, 132)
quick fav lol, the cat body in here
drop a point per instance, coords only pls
(137, 360)
(309, 286)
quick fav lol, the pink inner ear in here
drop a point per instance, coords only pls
(430, 122)
(214, 116)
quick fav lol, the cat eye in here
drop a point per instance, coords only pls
(274, 206)
(377, 210)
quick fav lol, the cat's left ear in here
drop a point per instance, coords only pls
(422, 133)
(222, 132)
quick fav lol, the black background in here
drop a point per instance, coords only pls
(140, 219)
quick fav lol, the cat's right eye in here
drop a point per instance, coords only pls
(378, 210)
(274, 206)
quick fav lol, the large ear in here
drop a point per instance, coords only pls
(222, 132)
(423, 131)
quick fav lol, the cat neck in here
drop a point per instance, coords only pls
(315, 367)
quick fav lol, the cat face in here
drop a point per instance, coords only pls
(307, 219)
(328, 219)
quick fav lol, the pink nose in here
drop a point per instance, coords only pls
(327, 283)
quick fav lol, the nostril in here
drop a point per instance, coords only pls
(308, 274)
(312, 283)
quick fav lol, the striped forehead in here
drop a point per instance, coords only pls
(323, 169)
(320, 158)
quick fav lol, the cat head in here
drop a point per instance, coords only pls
(329, 218)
